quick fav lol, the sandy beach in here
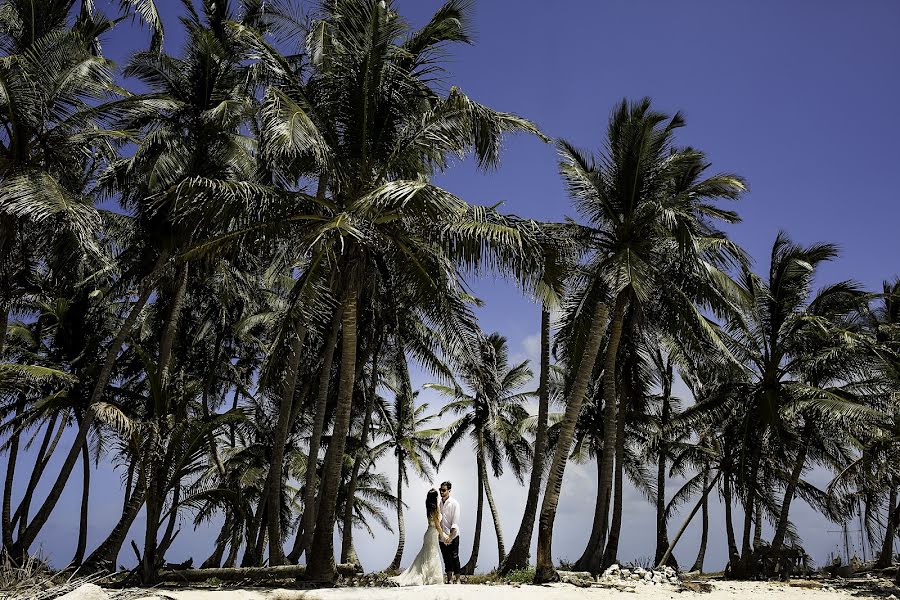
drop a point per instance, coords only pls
(722, 590)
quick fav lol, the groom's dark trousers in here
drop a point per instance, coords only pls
(450, 553)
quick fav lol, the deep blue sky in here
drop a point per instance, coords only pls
(798, 97)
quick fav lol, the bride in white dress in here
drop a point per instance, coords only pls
(428, 567)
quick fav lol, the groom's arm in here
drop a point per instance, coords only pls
(454, 522)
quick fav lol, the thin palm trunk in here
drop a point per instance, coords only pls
(214, 560)
(501, 549)
(594, 537)
(308, 521)
(469, 567)
(749, 512)
(322, 566)
(610, 555)
(85, 497)
(295, 346)
(594, 558)
(662, 534)
(890, 531)
(149, 561)
(40, 518)
(758, 521)
(790, 490)
(10, 477)
(250, 558)
(348, 554)
(401, 526)
(520, 551)
(40, 463)
(106, 554)
(687, 521)
(733, 556)
(544, 571)
(704, 534)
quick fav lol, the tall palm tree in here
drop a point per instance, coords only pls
(492, 412)
(646, 200)
(404, 427)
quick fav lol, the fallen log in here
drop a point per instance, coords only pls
(239, 573)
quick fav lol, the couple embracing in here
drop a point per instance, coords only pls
(441, 541)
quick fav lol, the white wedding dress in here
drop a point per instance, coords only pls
(428, 567)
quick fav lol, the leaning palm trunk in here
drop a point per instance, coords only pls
(501, 549)
(321, 562)
(215, 559)
(469, 567)
(308, 521)
(40, 464)
(610, 554)
(105, 555)
(758, 521)
(790, 490)
(743, 565)
(348, 554)
(10, 478)
(704, 535)
(85, 496)
(594, 537)
(890, 526)
(401, 526)
(295, 346)
(687, 521)
(593, 557)
(544, 571)
(519, 552)
(40, 518)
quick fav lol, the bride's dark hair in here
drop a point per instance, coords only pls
(431, 505)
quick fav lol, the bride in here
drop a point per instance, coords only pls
(427, 568)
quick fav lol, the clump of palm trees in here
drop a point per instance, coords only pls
(237, 337)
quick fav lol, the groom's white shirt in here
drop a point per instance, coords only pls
(450, 516)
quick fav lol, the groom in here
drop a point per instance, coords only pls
(449, 533)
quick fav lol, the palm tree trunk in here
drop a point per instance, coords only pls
(758, 520)
(215, 559)
(749, 512)
(106, 554)
(322, 566)
(348, 554)
(4, 326)
(401, 526)
(704, 535)
(520, 551)
(85, 496)
(10, 477)
(733, 556)
(20, 516)
(544, 571)
(662, 535)
(501, 549)
(594, 561)
(610, 555)
(295, 346)
(469, 567)
(687, 521)
(149, 561)
(40, 518)
(250, 559)
(171, 325)
(308, 521)
(594, 538)
(790, 490)
(260, 545)
(890, 527)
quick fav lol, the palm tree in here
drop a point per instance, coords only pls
(404, 427)
(645, 201)
(492, 412)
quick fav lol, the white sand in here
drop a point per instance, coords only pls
(722, 590)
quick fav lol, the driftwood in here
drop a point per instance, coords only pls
(239, 573)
